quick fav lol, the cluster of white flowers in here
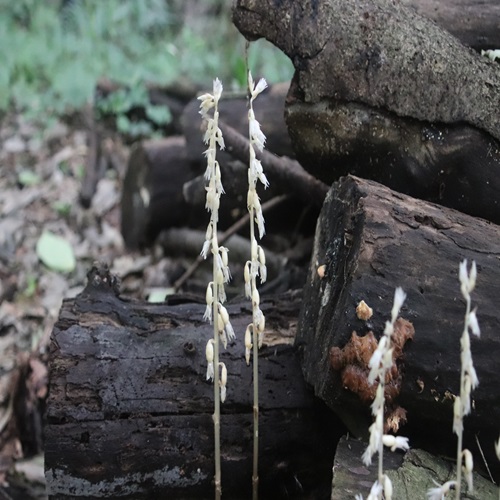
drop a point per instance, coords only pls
(380, 363)
(468, 381)
(215, 294)
(256, 266)
(440, 491)
(492, 54)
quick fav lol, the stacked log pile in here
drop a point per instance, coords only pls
(379, 93)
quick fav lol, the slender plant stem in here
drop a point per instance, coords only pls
(381, 443)
(255, 360)
(458, 486)
(234, 228)
(216, 415)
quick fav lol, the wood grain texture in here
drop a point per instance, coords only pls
(372, 240)
(129, 410)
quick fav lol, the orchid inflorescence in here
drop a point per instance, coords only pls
(380, 363)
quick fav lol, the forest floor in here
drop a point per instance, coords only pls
(42, 173)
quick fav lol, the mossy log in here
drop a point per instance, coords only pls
(129, 413)
(370, 240)
(412, 474)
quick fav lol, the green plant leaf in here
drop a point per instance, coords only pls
(158, 114)
(28, 178)
(55, 252)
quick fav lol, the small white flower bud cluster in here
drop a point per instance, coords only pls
(380, 363)
(468, 381)
(257, 263)
(441, 490)
(215, 294)
(255, 170)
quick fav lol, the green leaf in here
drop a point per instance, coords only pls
(158, 114)
(55, 252)
(28, 178)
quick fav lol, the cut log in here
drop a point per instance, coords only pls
(380, 53)
(383, 93)
(161, 192)
(152, 190)
(129, 409)
(456, 166)
(371, 240)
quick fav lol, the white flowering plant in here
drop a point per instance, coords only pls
(215, 311)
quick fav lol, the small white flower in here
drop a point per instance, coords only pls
(248, 284)
(207, 103)
(468, 466)
(262, 265)
(209, 297)
(395, 442)
(497, 448)
(257, 137)
(467, 280)
(248, 343)
(439, 492)
(261, 86)
(209, 353)
(473, 324)
(223, 382)
(375, 492)
(375, 437)
(457, 416)
(388, 490)
(217, 89)
(260, 322)
(255, 298)
(399, 298)
(219, 139)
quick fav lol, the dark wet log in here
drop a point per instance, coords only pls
(457, 166)
(372, 240)
(161, 192)
(152, 196)
(129, 412)
(474, 22)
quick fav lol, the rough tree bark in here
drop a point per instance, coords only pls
(129, 409)
(385, 94)
(371, 240)
(380, 53)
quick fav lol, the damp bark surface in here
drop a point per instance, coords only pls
(129, 413)
(370, 240)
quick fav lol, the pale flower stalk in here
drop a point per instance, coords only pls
(468, 382)
(379, 364)
(256, 266)
(215, 312)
